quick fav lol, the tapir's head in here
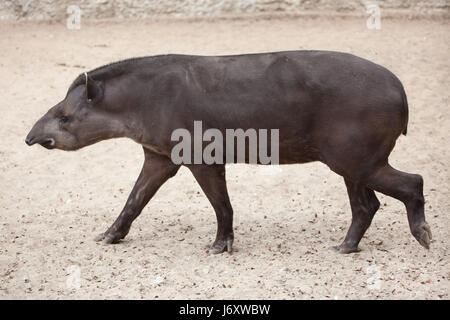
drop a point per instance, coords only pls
(81, 119)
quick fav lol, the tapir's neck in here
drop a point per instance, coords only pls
(129, 123)
(134, 114)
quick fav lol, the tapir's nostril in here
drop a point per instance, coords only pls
(28, 141)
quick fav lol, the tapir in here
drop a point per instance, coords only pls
(332, 107)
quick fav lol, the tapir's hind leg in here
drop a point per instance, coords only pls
(157, 169)
(211, 179)
(364, 205)
(407, 188)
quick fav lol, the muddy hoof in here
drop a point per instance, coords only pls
(345, 248)
(422, 233)
(220, 246)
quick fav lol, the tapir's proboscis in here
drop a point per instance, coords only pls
(332, 107)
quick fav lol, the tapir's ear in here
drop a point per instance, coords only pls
(94, 88)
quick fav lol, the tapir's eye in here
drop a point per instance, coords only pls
(63, 120)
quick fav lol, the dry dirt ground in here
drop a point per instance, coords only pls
(52, 204)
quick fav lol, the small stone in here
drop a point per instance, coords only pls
(158, 280)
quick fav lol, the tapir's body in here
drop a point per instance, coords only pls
(331, 107)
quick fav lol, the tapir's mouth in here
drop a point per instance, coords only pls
(48, 143)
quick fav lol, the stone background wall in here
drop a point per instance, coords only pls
(141, 9)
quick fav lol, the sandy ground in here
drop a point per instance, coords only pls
(52, 204)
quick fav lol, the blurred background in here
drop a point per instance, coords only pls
(141, 9)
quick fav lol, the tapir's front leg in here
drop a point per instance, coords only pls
(157, 169)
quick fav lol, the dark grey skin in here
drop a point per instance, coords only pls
(332, 107)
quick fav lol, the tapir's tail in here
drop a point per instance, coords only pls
(406, 110)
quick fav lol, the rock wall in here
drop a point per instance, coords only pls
(142, 9)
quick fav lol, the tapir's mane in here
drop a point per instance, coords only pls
(111, 70)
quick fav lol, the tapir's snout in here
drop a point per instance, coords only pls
(48, 143)
(37, 136)
(29, 141)
(32, 137)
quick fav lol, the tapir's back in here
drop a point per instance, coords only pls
(292, 89)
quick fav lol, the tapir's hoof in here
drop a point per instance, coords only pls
(107, 238)
(423, 234)
(220, 246)
(100, 237)
(345, 248)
